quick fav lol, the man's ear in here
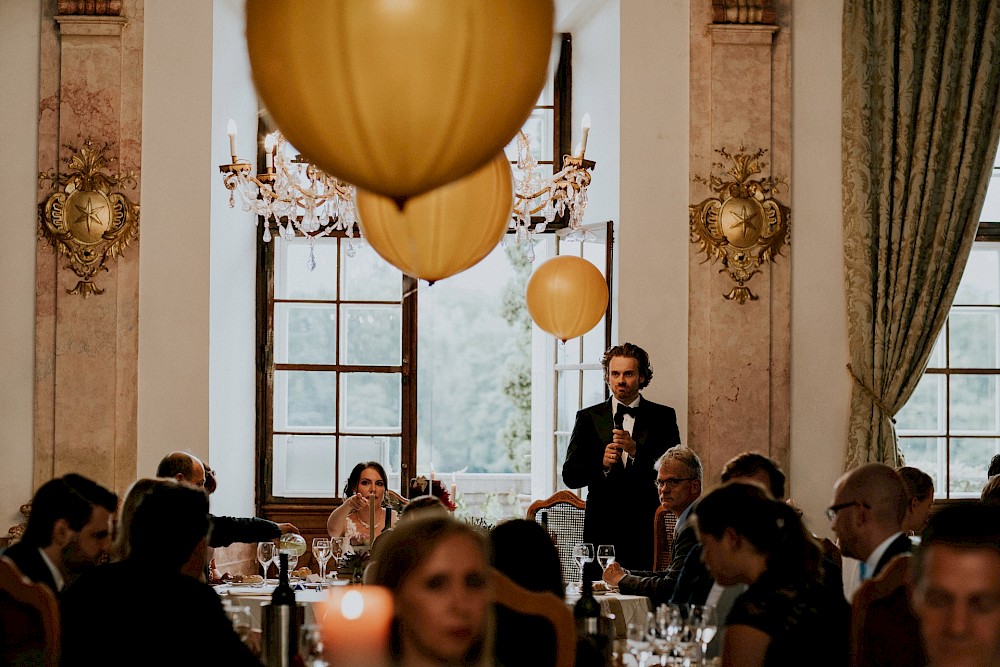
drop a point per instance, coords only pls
(697, 484)
(62, 534)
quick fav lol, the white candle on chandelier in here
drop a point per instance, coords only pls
(582, 148)
(231, 131)
(269, 151)
(454, 488)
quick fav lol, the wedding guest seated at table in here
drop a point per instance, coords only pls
(523, 550)
(366, 483)
(151, 607)
(68, 532)
(991, 492)
(957, 587)
(920, 491)
(120, 543)
(786, 616)
(422, 506)
(226, 530)
(438, 571)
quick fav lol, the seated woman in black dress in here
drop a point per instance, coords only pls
(786, 616)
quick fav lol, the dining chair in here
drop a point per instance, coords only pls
(563, 511)
(29, 619)
(664, 523)
(884, 630)
(531, 603)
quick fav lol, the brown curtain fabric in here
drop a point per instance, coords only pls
(921, 120)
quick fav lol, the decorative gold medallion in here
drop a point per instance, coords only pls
(86, 221)
(744, 227)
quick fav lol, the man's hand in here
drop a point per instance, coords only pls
(612, 455)
(287, 528)
(623, 439)
(614, 574)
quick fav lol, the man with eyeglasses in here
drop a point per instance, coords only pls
(612, 452)
(678, 483)
(869, 505)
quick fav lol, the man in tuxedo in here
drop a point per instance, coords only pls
(869, 505)
(956, 594)
(69, 531)
(612, 452)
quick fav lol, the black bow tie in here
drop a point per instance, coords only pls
(622, 411)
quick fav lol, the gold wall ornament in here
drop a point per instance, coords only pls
(86, 221)
(744, 226)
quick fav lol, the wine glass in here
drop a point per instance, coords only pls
(322, 551)
(241, 620)
(337, 551)
(311, 645)
(606, 555)
(702, 620)
(266, 553)
(583, 554)
(638, 641)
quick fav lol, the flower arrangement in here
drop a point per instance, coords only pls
(354, 564)
(421, 486)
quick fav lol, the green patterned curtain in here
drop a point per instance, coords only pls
(921, 120)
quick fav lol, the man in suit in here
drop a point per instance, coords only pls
(869, 505)
(678, 480)
(956, 594)
(226, 530)
(612, 452)
(186, 624)
(69, 531)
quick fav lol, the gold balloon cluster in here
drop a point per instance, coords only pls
(413, 102)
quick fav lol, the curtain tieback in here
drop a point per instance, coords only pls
(871, 395)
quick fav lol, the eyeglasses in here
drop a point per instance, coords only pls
(673, 483)
(831, 511)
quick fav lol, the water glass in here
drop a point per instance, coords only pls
(266, 553)
(583, 554)
(605, 555)
(322, 551)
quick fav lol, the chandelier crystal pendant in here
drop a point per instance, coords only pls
(295, 194)
(292, 193)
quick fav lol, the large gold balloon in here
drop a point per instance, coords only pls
(399, 96)
(567, 296)
(444, 231)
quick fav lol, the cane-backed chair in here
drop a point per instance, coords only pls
(664, 522)
(563, 513)
(29, 620)
(884, 628)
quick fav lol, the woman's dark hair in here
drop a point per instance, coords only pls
(918, 484)
(772, 527)
(748, 464)
(513, 539)
(352, 482)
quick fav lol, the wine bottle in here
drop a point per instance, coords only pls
(281, 622)
(593, 646)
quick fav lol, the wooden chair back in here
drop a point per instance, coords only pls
(564, 513)
(884, 629)
(546, 605)
(664, 522)
(29, 619)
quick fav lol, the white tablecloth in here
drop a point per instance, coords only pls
(624, 609)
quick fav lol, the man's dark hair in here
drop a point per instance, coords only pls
(168, 522)
(633, 352)
(750, 463)
(994, 466)
(965, 526)
(71, 497)
(176, 463)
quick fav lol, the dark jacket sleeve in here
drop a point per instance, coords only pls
(659, 587)
(227, 529)
(585, 454)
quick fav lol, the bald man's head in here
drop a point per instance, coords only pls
(183, 467)
(869, 503)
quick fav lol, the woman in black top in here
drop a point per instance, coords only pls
(786, 616)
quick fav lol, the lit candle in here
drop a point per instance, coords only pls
(269, 151)
(582, 148)
(231, 130)
(454, 488)
(371, 520)
(432, 472)
(356, 622)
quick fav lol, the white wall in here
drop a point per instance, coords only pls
(232, 320)
(821, 386)
(177, 184)
(19, 39)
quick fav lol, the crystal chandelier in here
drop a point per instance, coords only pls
(298, 197)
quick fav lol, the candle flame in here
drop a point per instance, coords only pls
(352, 606)
(231, 128)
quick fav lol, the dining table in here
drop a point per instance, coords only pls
(255, 596)
(620, 608)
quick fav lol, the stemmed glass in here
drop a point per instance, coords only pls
(702, 620)
(266, 553)
(241, 620)
(337, 550)
(605, 555)
(322, 551)
(583, 554)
